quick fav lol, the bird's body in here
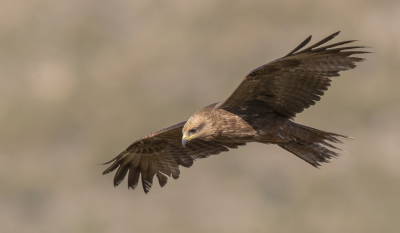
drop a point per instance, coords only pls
(257, 128)
(260, 110)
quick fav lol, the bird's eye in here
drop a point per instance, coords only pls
(192, 131)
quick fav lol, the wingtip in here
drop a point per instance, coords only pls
(335, 34)
(132, 186)
(112, 160)
(146, 191)
(308, 39)
(116, 183)
(300, 46)
(108, 170)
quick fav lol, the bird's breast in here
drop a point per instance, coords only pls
(230, 126)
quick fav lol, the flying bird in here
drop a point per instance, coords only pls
(261, 109)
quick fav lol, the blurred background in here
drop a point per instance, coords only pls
(81, 80)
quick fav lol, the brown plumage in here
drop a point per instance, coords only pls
(259, 110)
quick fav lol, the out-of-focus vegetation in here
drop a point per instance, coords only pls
(81, 80)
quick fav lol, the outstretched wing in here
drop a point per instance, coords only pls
(292, 83)
(160, 153)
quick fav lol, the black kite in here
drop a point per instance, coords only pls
(259, 110)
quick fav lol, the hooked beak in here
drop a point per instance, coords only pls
(186, 138)
(184, 141)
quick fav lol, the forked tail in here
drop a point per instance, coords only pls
(312, 145)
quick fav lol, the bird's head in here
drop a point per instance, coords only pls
(198, 126)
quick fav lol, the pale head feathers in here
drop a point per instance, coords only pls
(200, 124)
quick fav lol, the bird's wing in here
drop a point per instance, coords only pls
(292, 83)
(160, 153)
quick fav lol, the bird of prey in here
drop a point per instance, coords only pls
(261, 109)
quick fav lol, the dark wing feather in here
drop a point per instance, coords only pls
(292, 83)
(160, 154)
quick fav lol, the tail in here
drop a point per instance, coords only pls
(312, 145)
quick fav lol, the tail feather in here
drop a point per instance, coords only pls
(312, 145)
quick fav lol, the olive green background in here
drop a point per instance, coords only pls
(81, 80)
